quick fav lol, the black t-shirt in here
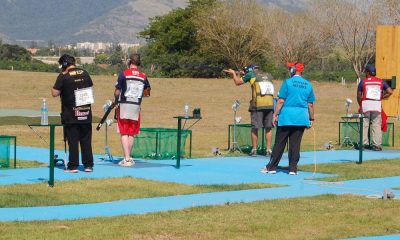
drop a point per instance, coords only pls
(76, 78)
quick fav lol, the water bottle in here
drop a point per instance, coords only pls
(186, 110)
(44, 113)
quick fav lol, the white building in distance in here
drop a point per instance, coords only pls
(101, 46)
(94, 46)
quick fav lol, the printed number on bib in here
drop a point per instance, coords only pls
(373, 92)
(84, 96)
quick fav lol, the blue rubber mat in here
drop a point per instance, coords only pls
(220, 170)
(387, 237)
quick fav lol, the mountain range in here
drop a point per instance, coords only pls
(60, 21)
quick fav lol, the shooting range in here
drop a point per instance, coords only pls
(196, 173)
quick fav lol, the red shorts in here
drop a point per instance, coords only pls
(127, 126)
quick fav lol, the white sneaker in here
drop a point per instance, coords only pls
(253, 153)
(269, 152)
(132, 161)
(128, 163)
(122, 162)
(265, 170)
(292, 173)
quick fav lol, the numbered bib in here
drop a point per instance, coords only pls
(134, 90)
(373, 92)
(84, 96)
(266, 88)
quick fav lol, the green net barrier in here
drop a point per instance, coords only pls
(243, 138)
(350, 129)
(5, 150)
(160, 143)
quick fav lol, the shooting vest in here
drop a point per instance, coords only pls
(76, 97)
(372, 95)
(131, 94)
(262, 93)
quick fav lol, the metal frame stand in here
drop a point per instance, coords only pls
(15, 147)
(107, 155)
(360, 140)
(346, 140)
(235, 146)
(179, 140)
(51, 149)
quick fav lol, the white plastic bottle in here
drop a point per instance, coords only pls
(186, 110)
(44, 113)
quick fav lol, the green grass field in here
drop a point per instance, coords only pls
(104, 190)
(23, 90)
(322, 217)
(352, 171)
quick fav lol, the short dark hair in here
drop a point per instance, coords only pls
(66, 61)
(134, 59)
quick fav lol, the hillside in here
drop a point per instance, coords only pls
(90, 20)
(124, 22)
(50, 19)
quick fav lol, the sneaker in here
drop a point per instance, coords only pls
(71, 170)
(88, 169)
(272, 172)
(376, 148)
(269, 152)
(122, 162)
(132, 161)
(292, 173)
(365, 146)
(253, 153)
(128, 163)
(264, 170)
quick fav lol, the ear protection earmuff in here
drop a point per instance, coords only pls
(293, 69)
(64, 63)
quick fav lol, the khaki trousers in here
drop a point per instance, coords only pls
(372, 120)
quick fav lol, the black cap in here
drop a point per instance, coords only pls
(370, 69)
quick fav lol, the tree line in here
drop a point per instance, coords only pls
(332, 37)
(14, 57)
(18, 58)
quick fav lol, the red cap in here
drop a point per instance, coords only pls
(298, 65)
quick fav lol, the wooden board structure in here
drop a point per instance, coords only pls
(388, 64)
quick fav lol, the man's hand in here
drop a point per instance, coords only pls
(274, 120)
(311, 124)
(146, 92)
(236, 78)
(55, 92)
(230, 71)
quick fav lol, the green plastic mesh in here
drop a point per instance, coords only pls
(350, 129)
(159, 143)
(243, 138)
(5, 143)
